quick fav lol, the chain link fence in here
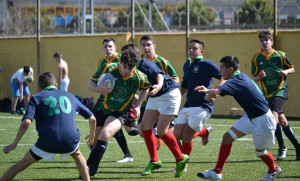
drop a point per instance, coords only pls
(19, 17)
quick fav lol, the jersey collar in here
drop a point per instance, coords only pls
(50, 87)
(236, 72)
(200, 57)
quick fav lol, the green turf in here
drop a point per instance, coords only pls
(242, 163)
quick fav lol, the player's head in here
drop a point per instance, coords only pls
(109, 47)
(26, 70)
(266, 40)
(129, 45)
(57, 55)
(46, 79)
(129, 59)
(148, 46)
(229, 64)
(196, 48)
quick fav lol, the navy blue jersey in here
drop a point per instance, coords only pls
(54, 111)
(151, 70)
(246, 93)
(199, 72)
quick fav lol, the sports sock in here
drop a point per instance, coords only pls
(96, 154)
(122, 142)
(187, 148)
(150, 143)
(223, 155)
(170, 140)
(203, 132)
(279, 136)
(290, 134)
(269, 161)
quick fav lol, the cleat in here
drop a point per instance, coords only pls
(13, 113)
(185, 169)
(126, 159)
(272, 176)
(180, 166)
(151, 166)
(133, 132)
(205, 139)
(158, 143)
(281, 154)
(210, 174)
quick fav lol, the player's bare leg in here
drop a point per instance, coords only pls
(18, 167)
(81, 165)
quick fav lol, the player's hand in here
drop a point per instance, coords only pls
(90, 140)
(210, 97)
(9, 148)
(137, 112)
(104, 90)
(283, 73)
(155, 89)
(262, 74)
(201, 88)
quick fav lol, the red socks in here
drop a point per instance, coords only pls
(223, 155)
(269, 161)
(186, 148)
(170, 140)
(201, 133)
(150, 143)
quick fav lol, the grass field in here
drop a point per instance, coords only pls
(242, 164)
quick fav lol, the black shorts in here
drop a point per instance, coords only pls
(276, 104)
(35, 156)
(126, 119)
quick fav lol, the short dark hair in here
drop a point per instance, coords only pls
(57, 54)
(265, 35)
(46, 79)
(130, 57)
(231, 61)
(108, 40)
(197, 41)
(130, 45)
(147, 37)
(26, 69)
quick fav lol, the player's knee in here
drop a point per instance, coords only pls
(229, 137)
(261, 153)
(105, 135)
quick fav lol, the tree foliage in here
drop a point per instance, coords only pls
(256, 12)
(199, 14)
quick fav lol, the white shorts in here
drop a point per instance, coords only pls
(262, 129)
(196, 117)
(166, 104)
(49, 156)
(64, 84)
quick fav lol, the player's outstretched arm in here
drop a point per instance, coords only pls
(91, 137)
(211, 94)
(158, 86)
(22, 130)
(142, 96)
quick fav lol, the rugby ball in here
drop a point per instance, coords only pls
(108, 79)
